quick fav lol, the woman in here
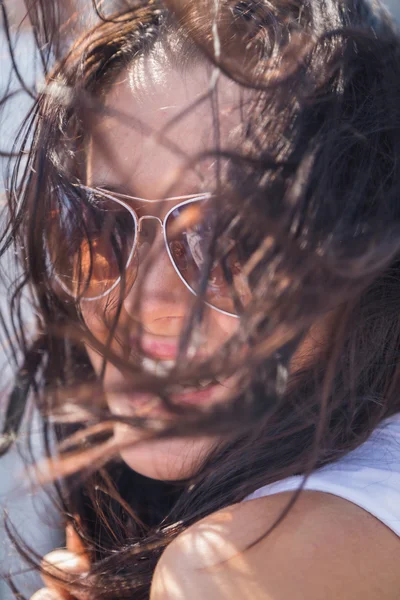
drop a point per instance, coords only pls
(208, 222)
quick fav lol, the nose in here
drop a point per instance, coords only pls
(165, 300)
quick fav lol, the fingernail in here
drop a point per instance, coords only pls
(46, 594)
(66, 561)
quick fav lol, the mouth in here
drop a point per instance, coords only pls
(182, 394)
(158, 358)
(143, 404)
(163, 349)
(194, 396)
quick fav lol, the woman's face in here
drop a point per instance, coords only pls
(142, 163)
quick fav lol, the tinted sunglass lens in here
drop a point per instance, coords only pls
(189, 236)
(91, 246)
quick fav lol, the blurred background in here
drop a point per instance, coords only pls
(31, 512)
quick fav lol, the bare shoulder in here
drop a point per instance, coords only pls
(326, 548)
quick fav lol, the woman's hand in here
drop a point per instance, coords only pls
(71, 562)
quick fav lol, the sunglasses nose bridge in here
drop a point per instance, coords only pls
(149, 218)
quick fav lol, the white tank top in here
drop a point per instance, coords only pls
(368, 476)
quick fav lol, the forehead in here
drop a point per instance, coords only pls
(161, 118)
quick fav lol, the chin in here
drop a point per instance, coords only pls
(172, 459)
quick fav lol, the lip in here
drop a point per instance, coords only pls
(196, 397)
(160, 349)
(146, 405)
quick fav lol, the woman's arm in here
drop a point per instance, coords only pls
(327, 548)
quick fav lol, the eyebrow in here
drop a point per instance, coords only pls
(116, 188)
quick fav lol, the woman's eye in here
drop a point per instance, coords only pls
(179, 254)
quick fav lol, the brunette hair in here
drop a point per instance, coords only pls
(312, 199)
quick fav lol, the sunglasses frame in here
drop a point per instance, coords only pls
(120, 198)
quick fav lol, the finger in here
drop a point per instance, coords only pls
(75, 544)
(45, 594)
(62, 566)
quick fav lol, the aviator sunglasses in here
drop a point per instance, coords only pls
(89, 255)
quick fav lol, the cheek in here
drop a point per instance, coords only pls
(227, 325)
(99, 319)
(100, 330)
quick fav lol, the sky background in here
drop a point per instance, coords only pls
(30, 513)
(394, 6)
